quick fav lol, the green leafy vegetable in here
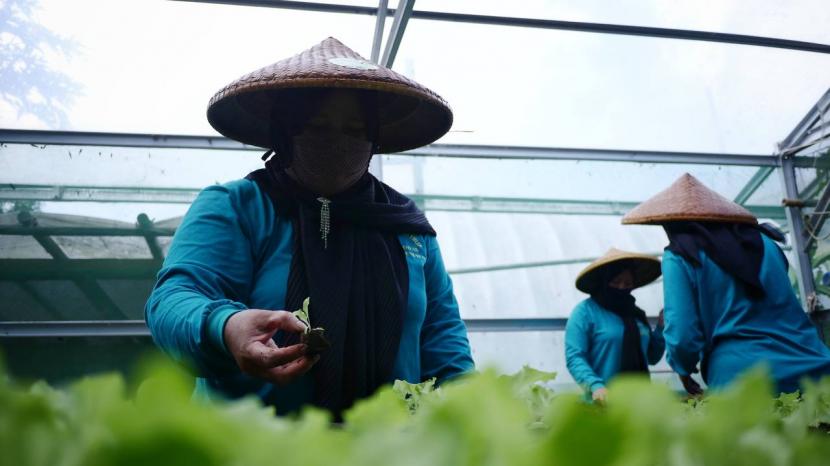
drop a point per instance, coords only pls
(302, 314)
(414, 393)
(314, 338)
(483, 419)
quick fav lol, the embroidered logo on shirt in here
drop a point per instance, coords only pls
(415, 250)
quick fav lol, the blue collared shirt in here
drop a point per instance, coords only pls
(594, 341)
(710, 319)
(233, 252)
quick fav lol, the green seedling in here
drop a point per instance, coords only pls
(314, 338)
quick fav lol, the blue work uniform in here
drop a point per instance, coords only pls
(233, 252)
(594, 343)
(710, 319)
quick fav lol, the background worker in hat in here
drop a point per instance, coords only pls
(728, 300)
(312, 224)
(607, 334)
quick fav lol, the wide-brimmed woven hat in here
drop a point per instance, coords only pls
(409, 114)
(646, 269)
(687, 199)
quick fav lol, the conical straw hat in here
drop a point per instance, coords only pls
(409, 114)
(646, 269)
(687, 199)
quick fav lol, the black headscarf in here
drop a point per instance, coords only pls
(736, 248)
(357, 278)
(623, 304)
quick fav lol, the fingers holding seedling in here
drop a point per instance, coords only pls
(287, 321)
(248, 337)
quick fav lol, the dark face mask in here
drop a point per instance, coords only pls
(617, 294)
(327, 161)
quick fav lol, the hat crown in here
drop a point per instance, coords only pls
(612, 253)
(687, 199)
(323, 52)
(313, 61)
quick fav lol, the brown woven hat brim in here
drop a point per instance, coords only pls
(410, 115)
(668, 218)
(688, 200)
(645, 269)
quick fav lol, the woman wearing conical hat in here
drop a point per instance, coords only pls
(313, 224)
(728, 301)
(607, 334)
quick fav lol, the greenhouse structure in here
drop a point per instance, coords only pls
(669, 159)
(567, 116)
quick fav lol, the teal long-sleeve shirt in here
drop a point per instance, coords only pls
(710, 319)
(594, 341)
(232, 252)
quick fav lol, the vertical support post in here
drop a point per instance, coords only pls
(418, 173)
(816, 221)
(380, 22)
(144, 223)
(795, 217)
(402, 14)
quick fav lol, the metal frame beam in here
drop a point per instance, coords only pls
(525, 265)
(802, 129)
(144, 223)
(753, 184)
(38, 192)
(90, 288)
(376, 163)
(426, 202)
(799, 229)
(380, 22)
(593, 155)
(96, 295)
(516, 325)
(599, 28)
(74, 329)
(815, 222)
(402, 14)
(547, 206)
(18, 270)
(802, 265)
(138, 328)
(37, 296)
(41, 139)
(813, 188)
(83, 231)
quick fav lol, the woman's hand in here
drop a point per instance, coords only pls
(600, 395)
(248, 336)
(692, 387)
